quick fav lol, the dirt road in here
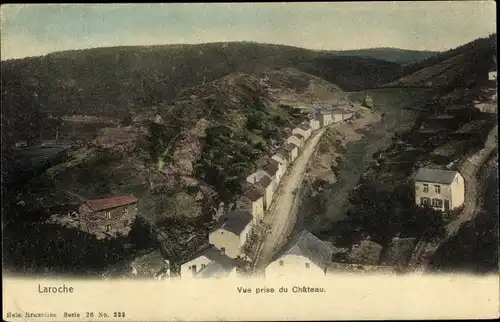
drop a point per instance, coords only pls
(282, 215)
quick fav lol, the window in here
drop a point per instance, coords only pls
(281, 263)
(437, 188)
(125, 223)
(108, 227)
(424, 201)
(203, 266)
(307, 265)
(437, 203)
(125, 211)
(108, 215)
(426, 187)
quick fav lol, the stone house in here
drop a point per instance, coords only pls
(231, 232)
(205, 257)
(108, 217)
(253, 202)
(304, 254)
(293, 152)
(440, 189)
(281, 156)
(303, 130)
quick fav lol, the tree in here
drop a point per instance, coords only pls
(368, 101)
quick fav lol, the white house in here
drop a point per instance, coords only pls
(256, 176)
(441, 189)
(252, 201)
(231, 232)
(492, 75)
(296, 139)
(324, 117)
(339, 115)
(304, 130)
(281, 156)
(274, 168)
(266, 186)
(203, 259)
(293, 152)
(304, 254)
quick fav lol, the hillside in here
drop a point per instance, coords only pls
(183, 158)
(464, 66)
(395, 55)
(113, 81)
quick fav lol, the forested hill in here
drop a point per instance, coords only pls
(396, 55)
(464, 66)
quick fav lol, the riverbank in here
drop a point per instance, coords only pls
(325, 205)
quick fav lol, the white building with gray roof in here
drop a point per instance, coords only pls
(440, 189)
(304, 254)
(231, 232)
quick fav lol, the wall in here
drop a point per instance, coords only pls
(457, 191)
(186, 273)
(222, 238)
(269, 193)
(294, 140)
(292, 265)
(244, 234)
(95, 223)
(258, 210)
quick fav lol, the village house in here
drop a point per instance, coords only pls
(324, 118)
(204, 258)
(339, 115)
(108, 217)
(492, 75)
(252, 201)
(281, 156)
(296, 139)
(440, 189)
(231, 232)
(304, 130)
(272, 168)
(266, 187)
(256, 176)
(304, 254)
(293, 152)
(314, 124)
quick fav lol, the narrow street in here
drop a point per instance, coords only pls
(282, 214)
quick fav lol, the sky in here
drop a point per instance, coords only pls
(34, 29)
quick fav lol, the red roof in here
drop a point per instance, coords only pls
(109, 203)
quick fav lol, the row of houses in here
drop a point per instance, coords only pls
(233, 228)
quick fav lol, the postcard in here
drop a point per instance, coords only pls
(249, 161)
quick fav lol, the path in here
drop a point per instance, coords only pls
(282, 214)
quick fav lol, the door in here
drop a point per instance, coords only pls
(446, 205)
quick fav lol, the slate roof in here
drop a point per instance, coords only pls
(253, 194)
(234, 222)
(271, 168)
(290, 147)
(264, 181)
(214, 254)
(307, 245)
(110, 203)
(435, 175)
(282, 153)
(214, 270)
